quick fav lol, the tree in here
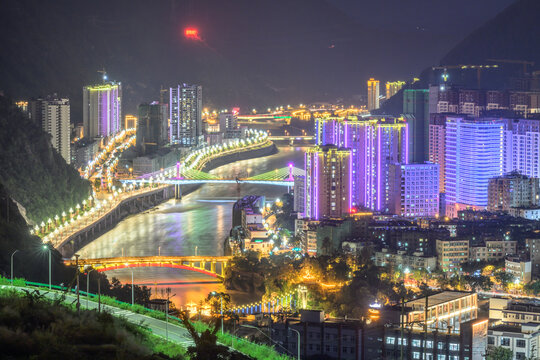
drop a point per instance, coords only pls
(206, 346)
(499, 353)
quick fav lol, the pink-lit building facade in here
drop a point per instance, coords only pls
(374, 143)
(327, 182)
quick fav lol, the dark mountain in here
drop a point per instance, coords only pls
(252, 53)
(32, 171)
(511, 35)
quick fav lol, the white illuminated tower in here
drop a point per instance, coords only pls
(185, 104)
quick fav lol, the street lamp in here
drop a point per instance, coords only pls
(12, 266)
(298, 344)
(88, 286)
(221, 307)
(45, 247)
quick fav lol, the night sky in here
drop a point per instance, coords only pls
(251, 53)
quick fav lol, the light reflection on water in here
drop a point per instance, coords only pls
(198, 223)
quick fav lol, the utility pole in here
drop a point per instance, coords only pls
(99, 293)
(402, 325)
(425, 326)
(77, 270)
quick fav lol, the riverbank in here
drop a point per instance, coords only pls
(71, 245)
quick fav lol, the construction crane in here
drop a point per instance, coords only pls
(478, 69)
(104, 74)
(509, 61)
(162, 91)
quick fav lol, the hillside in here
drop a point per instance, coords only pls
(513, 35)
(32, 171)
(34, 327)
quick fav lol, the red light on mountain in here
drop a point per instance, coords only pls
(191, 33)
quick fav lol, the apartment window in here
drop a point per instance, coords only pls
(416, 343)
(429, 344)
(454, 347)
(520, 355)
(441, 346)
(491, 340)
(441, 357)
(505, 341)
(520, 343)
(416, 355)
(390, 340)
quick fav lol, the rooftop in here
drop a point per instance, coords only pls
(440, 298)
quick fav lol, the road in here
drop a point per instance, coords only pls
(177, 333)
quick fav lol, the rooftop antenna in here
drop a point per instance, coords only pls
(104, 74)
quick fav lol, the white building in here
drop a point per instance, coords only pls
(522, 147)
(54, 116)
(185, 106)
(102, 109)
(414, 189)
(522, 340)
(521, 269)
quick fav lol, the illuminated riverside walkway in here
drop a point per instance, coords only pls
(209, 265)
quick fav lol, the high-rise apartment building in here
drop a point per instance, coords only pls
(513, 190)
(102, 109)
(375, 143)
(416, 106)
(54, 116)
(373, 94)
(437, 145)
(185, 106)
(474, 154)
(414, 189)
(327, 183)
(152, 132)
(392, 87)
(522, 146)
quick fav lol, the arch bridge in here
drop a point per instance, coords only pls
(209, 265)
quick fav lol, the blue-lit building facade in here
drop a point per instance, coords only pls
(474, 154)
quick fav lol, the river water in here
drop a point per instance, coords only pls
(197, 224)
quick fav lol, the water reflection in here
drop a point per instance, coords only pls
(198, 223)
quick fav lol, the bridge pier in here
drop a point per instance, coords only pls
(177, 192)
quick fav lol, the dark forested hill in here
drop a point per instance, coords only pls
(511, 35)
(32, 171)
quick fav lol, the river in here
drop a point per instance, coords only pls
(197, 224)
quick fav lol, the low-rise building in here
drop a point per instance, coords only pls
(522, 340)
(451, 253)
(529, 213)
(514, 312)
(519, 267)
(400, 259)
(492, 250)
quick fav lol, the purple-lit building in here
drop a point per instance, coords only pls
(374, 143)
(327, 182)
(414, 189)
(102, 109)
